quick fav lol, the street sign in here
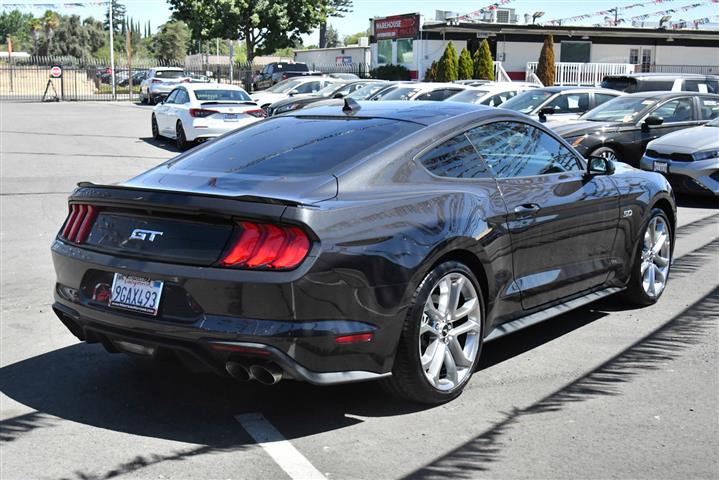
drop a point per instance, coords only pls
(56, 71)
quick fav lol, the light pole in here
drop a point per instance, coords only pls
(664, 20)
(112, 51)
(536, 15)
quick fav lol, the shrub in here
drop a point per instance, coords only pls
(545, 65)
(430, 75)
(466, 68)
(483, 64)
(390, 72)
(448, 67)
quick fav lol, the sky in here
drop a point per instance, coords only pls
(158, 11)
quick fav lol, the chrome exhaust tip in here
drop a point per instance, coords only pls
(238, 371)
(268, 374)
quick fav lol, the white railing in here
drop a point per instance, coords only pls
(500, 75)
(570, 73)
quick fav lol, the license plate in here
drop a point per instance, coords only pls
(661, 167)
(136, 293)
(230, 117)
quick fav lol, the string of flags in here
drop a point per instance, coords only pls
(481, 11)
(695, 23)
(667, 12)
(611, 12)
(55, 5)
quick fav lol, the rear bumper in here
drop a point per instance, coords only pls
(203, 307)
(210, 129)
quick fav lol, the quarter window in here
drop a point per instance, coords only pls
(709, 108)
(677, 110)
(455, 158)
(513, 149)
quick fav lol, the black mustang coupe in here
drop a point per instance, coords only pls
(620, 129)
(358, 241)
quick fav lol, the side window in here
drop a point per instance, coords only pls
(513, 149)
(677, 110)
(600, 98)
(438, 95)
(570, 103)
(709, 108)
(172, 97)
(713, 86)
(455, 158)
(182, 97)
(309, 87)
(695, 86)
(498, 99)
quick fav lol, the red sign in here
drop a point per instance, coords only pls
(397, 26)
(56, 71)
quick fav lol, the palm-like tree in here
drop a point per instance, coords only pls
(50, 21)
(35, 28)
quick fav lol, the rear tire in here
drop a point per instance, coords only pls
(441, 340)
(650, 271)
(143, 99)
(180, 138)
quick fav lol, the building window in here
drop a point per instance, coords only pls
(633, 56)
(404, 50)
(384, 51)
(575, 52)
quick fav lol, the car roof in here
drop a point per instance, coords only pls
(210, 86)
(174, 69)
(655, 75)
(568, 88)
(425, 113)
(665, 94)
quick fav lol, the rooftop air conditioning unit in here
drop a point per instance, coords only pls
(363, 41)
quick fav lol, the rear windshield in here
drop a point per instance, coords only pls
(399, 93)
(469, 96)
(222, 95)
(623, 84)
(292, 67)
(296, 146)
(169, 74)
(526, 102)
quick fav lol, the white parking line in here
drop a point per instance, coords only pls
(281, 451)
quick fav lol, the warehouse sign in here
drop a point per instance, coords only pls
(397, 26)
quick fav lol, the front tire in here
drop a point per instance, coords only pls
(441, 339)
(650, 271)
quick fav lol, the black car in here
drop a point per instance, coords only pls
(374, 240)
(275, 72)
(620, 129)
(333, 90)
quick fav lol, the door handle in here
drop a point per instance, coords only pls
(527, 208)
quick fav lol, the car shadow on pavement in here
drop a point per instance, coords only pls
(163, 143)
(650, 352)
(690, 201)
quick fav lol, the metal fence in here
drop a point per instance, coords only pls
(700, 69)
(88, 79)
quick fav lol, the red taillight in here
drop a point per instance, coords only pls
(156, 80)
(266, 246)
(201, 112)
(355, 338)
(79, 223)
(284, 76)
(259, 113)
(186, 80)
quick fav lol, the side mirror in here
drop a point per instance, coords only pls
(599, 166)
(338, 95)
(543, 112)
(651, 120)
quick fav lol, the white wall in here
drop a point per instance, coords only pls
(517, 54)
(671, 55)
(327, 56)
(602, 53)
(428, 51)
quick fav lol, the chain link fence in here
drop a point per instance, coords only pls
(90, 79)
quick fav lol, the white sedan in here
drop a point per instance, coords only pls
(204, 110)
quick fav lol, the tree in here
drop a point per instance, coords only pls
(265, 26)
(332, 37)
(354, 38)
(332, 8)
(448, 66)
(15, 24)
(50, 22)
(71, 38)
(170, 42)
(430, 75)
(466, 68)
(391, 72)
(118, 17)
(95, 34)
(482, 62)
(545, 65)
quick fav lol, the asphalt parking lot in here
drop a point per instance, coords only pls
(601, 392)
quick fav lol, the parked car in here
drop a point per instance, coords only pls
(370, 240)
(198, 111)
(159, 83)
(492, 94)
(275, 72)
(669, 82)
(689, 158)
(433, 91)
(333, 90)
(620, 129)
(343, 76)
(562, 103)
(291, 87)
(137, 77)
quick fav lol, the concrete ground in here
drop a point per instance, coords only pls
(601, 392)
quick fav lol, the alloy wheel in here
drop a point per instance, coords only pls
(656, 253)
(449, 336)
(609, 155)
